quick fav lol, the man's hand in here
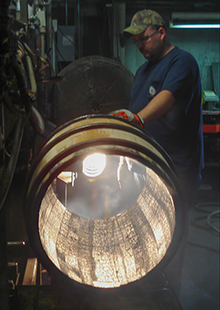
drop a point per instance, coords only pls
(126, 114)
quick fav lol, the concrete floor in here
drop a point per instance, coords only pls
(194, 286)
(199, 286)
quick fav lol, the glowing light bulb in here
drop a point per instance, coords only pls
(93, 165)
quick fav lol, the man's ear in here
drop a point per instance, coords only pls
(162, 32)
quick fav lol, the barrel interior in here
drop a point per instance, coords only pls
(106, 226)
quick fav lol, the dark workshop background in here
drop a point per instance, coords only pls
(78, 29)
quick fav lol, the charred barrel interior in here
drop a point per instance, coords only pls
(103, 205)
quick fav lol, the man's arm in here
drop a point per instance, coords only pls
(157, 107)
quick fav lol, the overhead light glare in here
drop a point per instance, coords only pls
(195, 20)
(196, 26)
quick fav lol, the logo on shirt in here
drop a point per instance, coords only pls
(152, 91)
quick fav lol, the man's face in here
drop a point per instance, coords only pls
(150, 43)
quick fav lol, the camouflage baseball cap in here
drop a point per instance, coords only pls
(141, 21)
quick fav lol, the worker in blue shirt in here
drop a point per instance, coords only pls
(166, 98)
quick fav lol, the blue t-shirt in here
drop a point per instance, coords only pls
(179, 131)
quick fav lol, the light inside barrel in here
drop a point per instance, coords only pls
(94, 164)
(108, 230)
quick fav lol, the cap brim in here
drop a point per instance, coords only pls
(133, 30)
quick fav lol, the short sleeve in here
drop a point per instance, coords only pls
(180, 80)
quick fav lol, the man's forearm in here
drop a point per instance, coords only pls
(157, 107)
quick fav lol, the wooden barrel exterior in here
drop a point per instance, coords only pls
(122, 248)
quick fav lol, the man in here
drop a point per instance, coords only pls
(166, 97)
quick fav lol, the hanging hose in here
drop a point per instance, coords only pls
(211, 216)
(24, 54)
(212, 211)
